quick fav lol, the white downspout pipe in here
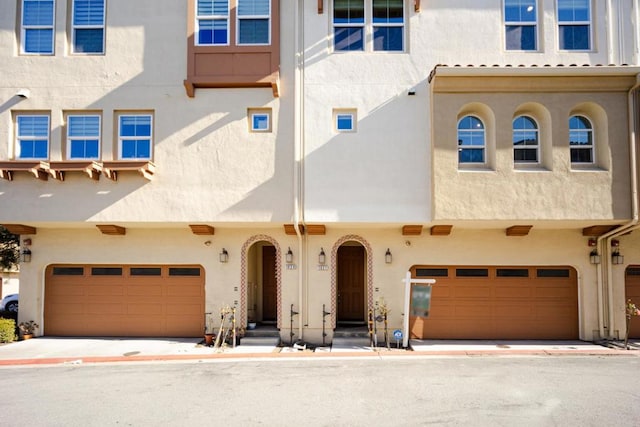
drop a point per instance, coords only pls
(607, 318)
(298, 175)
(610, 41)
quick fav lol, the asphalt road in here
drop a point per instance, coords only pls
(411, 391)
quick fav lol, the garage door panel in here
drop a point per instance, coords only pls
(144, 290)
(530, 306)
(471, 291)
(124, 305)
(512, 292)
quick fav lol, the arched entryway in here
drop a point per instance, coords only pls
(351, 289)
(260, 282)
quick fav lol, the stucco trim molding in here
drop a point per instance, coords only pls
(334, 273)
(243, 277)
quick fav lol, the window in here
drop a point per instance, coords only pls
(521, 18)
(212, 22)
(37, 26)
(388, 25)
(581, 140)
(88, 26)
(32, 137)
(471, 140)
(134, 136)
(386, 28)
(254, 21)
(344, 120)
(574, 24)
(525, 140)
(83, 137)
(259, 120)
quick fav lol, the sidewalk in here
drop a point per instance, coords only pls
(54, 350)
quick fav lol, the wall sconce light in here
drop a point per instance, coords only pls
(26, 255)
(594, 257)
(224, 255)
(322, 258)
(23, 93)
(289, 256)
(388, 257)
(616, 258)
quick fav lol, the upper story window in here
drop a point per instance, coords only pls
(581, 140)
(521, 24)
(574, 24)
(526, 143)
(32, 136)
(383, 20)
(135, 136)
(254, 22)
(37, 26)
(212, 22)
(344, 120)
(471, 140)
(259, 119)
(88, 26)
(83, 137)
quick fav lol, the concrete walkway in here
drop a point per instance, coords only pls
(54, 350)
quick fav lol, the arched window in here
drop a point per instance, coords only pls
(526, 143)
(581, 140)
(471, 140)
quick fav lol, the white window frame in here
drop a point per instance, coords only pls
(122, 138)
(368, 27)
(249, 17)
(70, 138)
(342, 112)
(483, 147)
(24, 28)
(20, 137)
(527, 147)
(75, 27)
(522, 24)
(591, 147)
(254, 113)
(212, 18)
(588, 23)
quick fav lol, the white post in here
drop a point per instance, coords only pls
(407, 304)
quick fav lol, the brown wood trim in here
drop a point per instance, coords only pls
(290, 229)
(316, 229)
(416, 5)
(202, 229)
(19, 229)
(411, 230)
(597, 230)
(57, 170)
(320, 7)
(38, 169)
(112, 230)
(518, 230)
(441, 230)
(145, 168)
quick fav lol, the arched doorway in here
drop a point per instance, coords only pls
(351, 281)
(261, 291)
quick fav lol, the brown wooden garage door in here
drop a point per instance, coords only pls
(129, 300)
(499, 303)
(632, 291)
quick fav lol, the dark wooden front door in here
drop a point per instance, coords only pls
(351, 284)
(632, 292)
(269, 284)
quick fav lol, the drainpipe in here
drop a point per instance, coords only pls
(298, 175)
(610, 24)
(636, 30)
(605, 278)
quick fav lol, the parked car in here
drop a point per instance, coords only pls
(9, 303)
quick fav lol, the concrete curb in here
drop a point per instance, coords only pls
(313, 355)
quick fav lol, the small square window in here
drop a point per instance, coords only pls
(344, 120)
(135, 136)
(259, 120)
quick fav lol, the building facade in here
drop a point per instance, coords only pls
(294, 159)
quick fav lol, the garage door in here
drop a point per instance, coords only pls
(133, 301)
(632, 291)
(499, 303)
